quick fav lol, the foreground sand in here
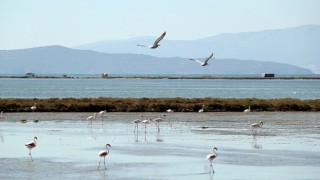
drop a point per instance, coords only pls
(287, 147)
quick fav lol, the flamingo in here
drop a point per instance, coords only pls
(212, 156)
(34, 107)
(202, 109)
(31, 145)
(255, 126)
(169, 111)
(92, 117)
(205, 63)
(101, 113)
(137, 121)
(156, 43)
(1, 115)
(103, 154)
(145, 122)
(157, 121)
(247, 110)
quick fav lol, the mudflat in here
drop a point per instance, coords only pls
(286, 147)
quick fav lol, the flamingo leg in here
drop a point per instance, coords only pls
(135, 127)
(30, 155)
(104, 162)
(211, 167)
(99, 163)
(145, 128)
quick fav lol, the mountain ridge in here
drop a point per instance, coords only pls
(62, 60)
(296, 45)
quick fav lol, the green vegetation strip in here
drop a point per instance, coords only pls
(156, 104)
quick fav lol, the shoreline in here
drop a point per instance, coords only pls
(171, 77)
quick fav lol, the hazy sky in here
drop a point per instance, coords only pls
(31, 23)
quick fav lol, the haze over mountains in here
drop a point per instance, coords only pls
(272, 51)
(297, 46)
(62, 60)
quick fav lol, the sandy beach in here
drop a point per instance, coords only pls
(286, 147)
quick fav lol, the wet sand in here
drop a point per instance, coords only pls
(287, 146)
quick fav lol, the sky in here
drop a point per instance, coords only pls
(33, 23)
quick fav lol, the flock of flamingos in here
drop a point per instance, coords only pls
(103, 153)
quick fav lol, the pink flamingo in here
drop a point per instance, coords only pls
(137, 121)
(255, 126)
(103, 154)
(31, 145)
(212, 156)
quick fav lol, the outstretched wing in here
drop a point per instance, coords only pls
(141, 45)
(206, 61)
(159, 39)
(196, 60)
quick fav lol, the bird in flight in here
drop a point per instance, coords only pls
(156, 43)
(205, 63)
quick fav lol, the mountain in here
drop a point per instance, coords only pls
(62, 60)
(297, 46)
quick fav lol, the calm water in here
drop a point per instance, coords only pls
(136, 88)
(287, 147)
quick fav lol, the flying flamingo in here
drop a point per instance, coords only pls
(156, 43)
(92, 117)
(205, 63)
(145, 122)
(157, 121)
(255, 126)
(31, 145)
(103, 154)
(101, 113)
(136, 122)
(34, 107)
(212, 156)
(202, 109)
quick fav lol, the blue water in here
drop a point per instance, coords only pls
(154, 88)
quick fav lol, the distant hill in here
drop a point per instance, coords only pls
(297, 46)
(62, 60)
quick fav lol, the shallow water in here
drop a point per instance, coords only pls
(287, 147)
(157, 88)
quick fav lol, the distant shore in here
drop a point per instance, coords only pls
(156, 104)
(165, 77)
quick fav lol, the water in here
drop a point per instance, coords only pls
(155, 88)
(287, 147)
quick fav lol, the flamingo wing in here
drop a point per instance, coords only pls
(206, 61)
(211, 156)
(159, 39)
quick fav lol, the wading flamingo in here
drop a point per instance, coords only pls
(34, 107)
(136, 122)
(31, 145)
(212, 156)
(202, 109)
(102, 113)
(145, 122)
(103, 154)
(247, 110)
(92, 117)
(255, 126)
(169, 111)
(158, 121)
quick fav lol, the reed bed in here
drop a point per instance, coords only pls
(156, 104)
